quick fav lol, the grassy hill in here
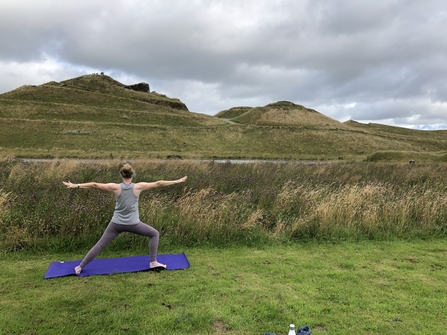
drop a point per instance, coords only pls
(95, 116)
(281, 113)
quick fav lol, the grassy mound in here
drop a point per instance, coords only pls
(281, 113)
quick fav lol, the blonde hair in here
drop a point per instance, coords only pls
(127, 171)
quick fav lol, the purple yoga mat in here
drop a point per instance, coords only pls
(105, 266)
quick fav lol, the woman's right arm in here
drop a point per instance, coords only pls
(109, 187)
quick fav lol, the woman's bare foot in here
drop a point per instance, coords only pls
(78, 270)
(155, 264)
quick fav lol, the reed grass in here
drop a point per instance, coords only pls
(224, 203)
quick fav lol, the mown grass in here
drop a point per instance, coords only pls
(354, 288)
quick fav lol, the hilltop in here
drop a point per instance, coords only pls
(90, 87)
(97, 98)
(95, 116)
(281, 113)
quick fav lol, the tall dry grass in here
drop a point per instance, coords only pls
(225, 203)
(372, 210)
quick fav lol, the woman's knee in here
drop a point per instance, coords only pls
(155, 233)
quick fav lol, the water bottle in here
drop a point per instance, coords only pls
(292, 329)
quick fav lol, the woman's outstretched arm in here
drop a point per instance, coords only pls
(109, 187)
(143, 186)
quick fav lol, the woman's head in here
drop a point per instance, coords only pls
(127, 171)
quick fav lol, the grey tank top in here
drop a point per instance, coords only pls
(126, 208)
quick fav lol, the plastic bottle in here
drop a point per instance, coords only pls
(292, 329)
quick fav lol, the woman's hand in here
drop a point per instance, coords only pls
(70, 184)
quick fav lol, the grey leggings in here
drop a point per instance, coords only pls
(114, 229)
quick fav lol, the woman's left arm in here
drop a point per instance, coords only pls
(143, 186)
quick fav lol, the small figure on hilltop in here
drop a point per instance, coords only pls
(126, 215)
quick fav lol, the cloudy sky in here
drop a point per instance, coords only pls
(382, 61)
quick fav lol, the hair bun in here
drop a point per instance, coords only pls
(127, 171)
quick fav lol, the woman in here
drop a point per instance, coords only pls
(126, 215)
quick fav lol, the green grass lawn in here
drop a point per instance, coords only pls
(347, 288)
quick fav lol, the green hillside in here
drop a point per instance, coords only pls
(281, 113)
(96, 116)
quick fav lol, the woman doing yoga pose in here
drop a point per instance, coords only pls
(126, 215)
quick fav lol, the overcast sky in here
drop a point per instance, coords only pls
(381, 61)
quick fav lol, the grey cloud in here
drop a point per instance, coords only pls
(382, 56)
